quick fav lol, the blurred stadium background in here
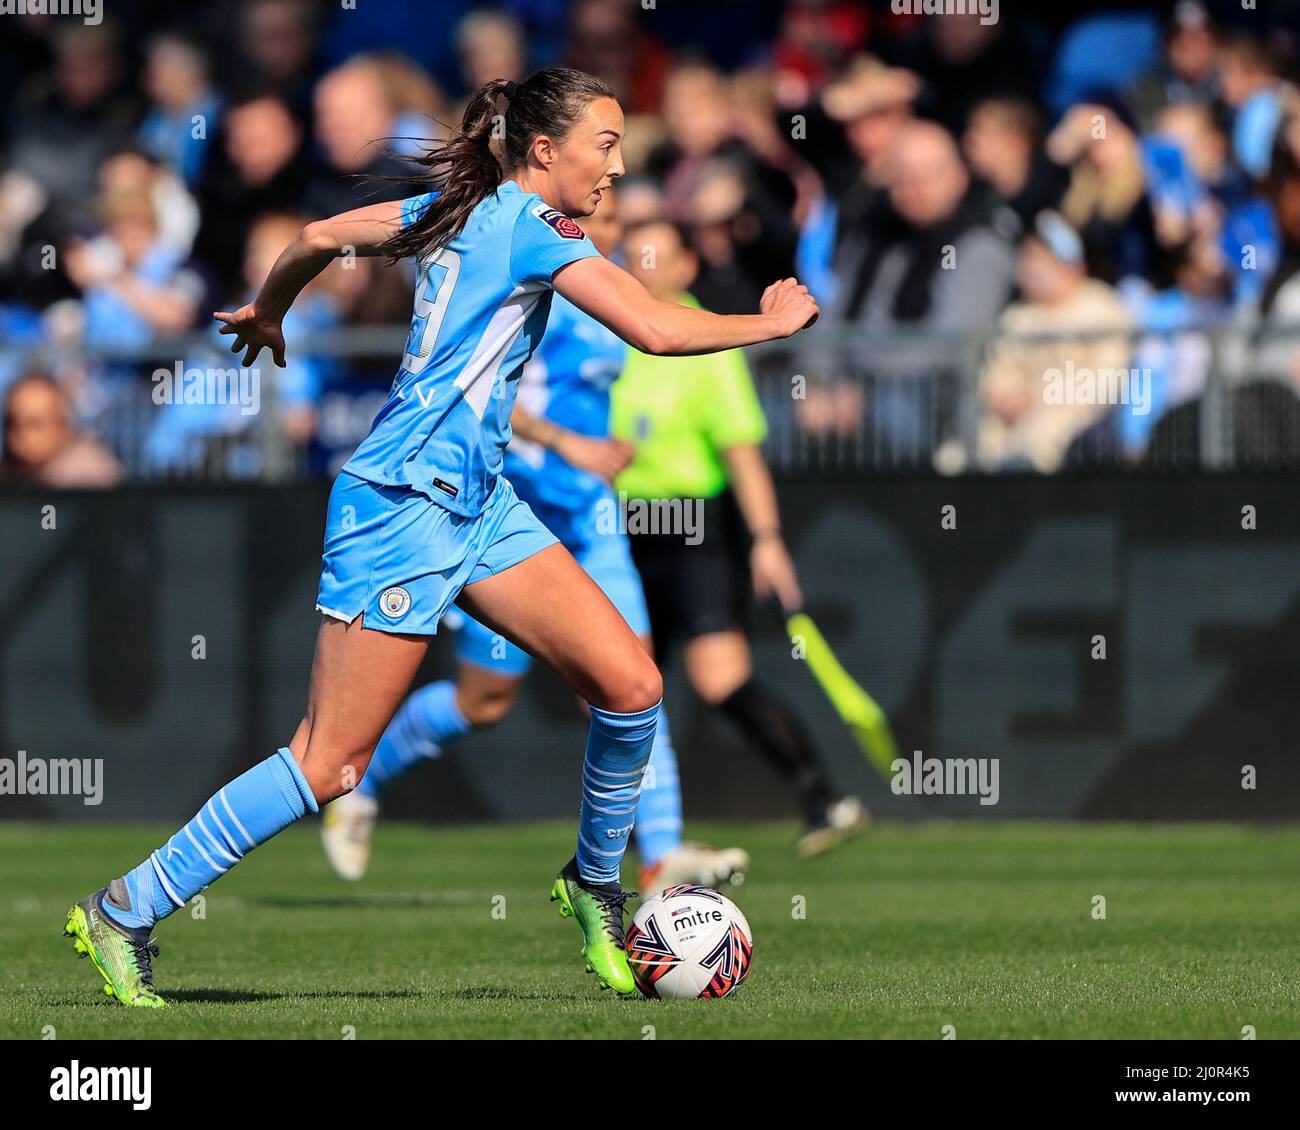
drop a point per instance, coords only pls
(976, 204)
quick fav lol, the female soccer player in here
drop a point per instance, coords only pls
(560, 462)
(420, 517)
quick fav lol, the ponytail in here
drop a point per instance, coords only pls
(465, 166)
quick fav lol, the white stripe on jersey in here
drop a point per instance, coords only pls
(479, 376)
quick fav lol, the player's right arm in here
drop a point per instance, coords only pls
(363, 231)
(615, 299)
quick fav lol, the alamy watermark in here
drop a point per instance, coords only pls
(90, 11)
(949, 776)
(179, 385)
(78, 1083)
(682, 517)
(59, 776)
(987, 10)
(1098, 386)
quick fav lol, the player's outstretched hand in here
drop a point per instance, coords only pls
(253, 333)
(791, 303)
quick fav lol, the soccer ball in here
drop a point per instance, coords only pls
(689, 941)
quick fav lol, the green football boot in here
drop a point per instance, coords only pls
(599, 911)
(122, 956)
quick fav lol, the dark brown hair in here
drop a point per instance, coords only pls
(464, 166)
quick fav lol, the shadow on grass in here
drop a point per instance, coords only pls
(410, 900)
(428, 996)
(478, 994)
(241, 996)
(498, 993)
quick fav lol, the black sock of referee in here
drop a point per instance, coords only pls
(777, 734)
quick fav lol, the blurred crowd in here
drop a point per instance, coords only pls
(979, 205)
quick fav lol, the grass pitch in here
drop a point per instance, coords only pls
(987, 928)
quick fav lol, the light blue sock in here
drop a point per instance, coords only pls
(618, 747)
(659, 813)
(247, 812)
(425, 722)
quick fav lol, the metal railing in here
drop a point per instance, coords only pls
(1216, 398)
(1210, 398)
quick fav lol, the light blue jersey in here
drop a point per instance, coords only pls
(481, 307)
(567, 381)
(417, 513)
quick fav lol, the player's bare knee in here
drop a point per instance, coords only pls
(637, 688)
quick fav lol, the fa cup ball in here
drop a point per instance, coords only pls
(689, 942)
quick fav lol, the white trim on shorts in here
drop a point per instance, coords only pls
(337, 615)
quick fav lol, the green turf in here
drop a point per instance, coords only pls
(987, 928)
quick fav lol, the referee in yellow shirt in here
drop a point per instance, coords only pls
(697, 425)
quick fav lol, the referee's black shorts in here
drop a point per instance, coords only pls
(693, 590)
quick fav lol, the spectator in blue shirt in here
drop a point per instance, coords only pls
(184, 105)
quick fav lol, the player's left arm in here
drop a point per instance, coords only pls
(363, 231)
(666, 329)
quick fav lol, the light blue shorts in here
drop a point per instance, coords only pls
(400, 558)
(607, 559)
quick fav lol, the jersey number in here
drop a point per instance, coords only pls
(439, 276)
